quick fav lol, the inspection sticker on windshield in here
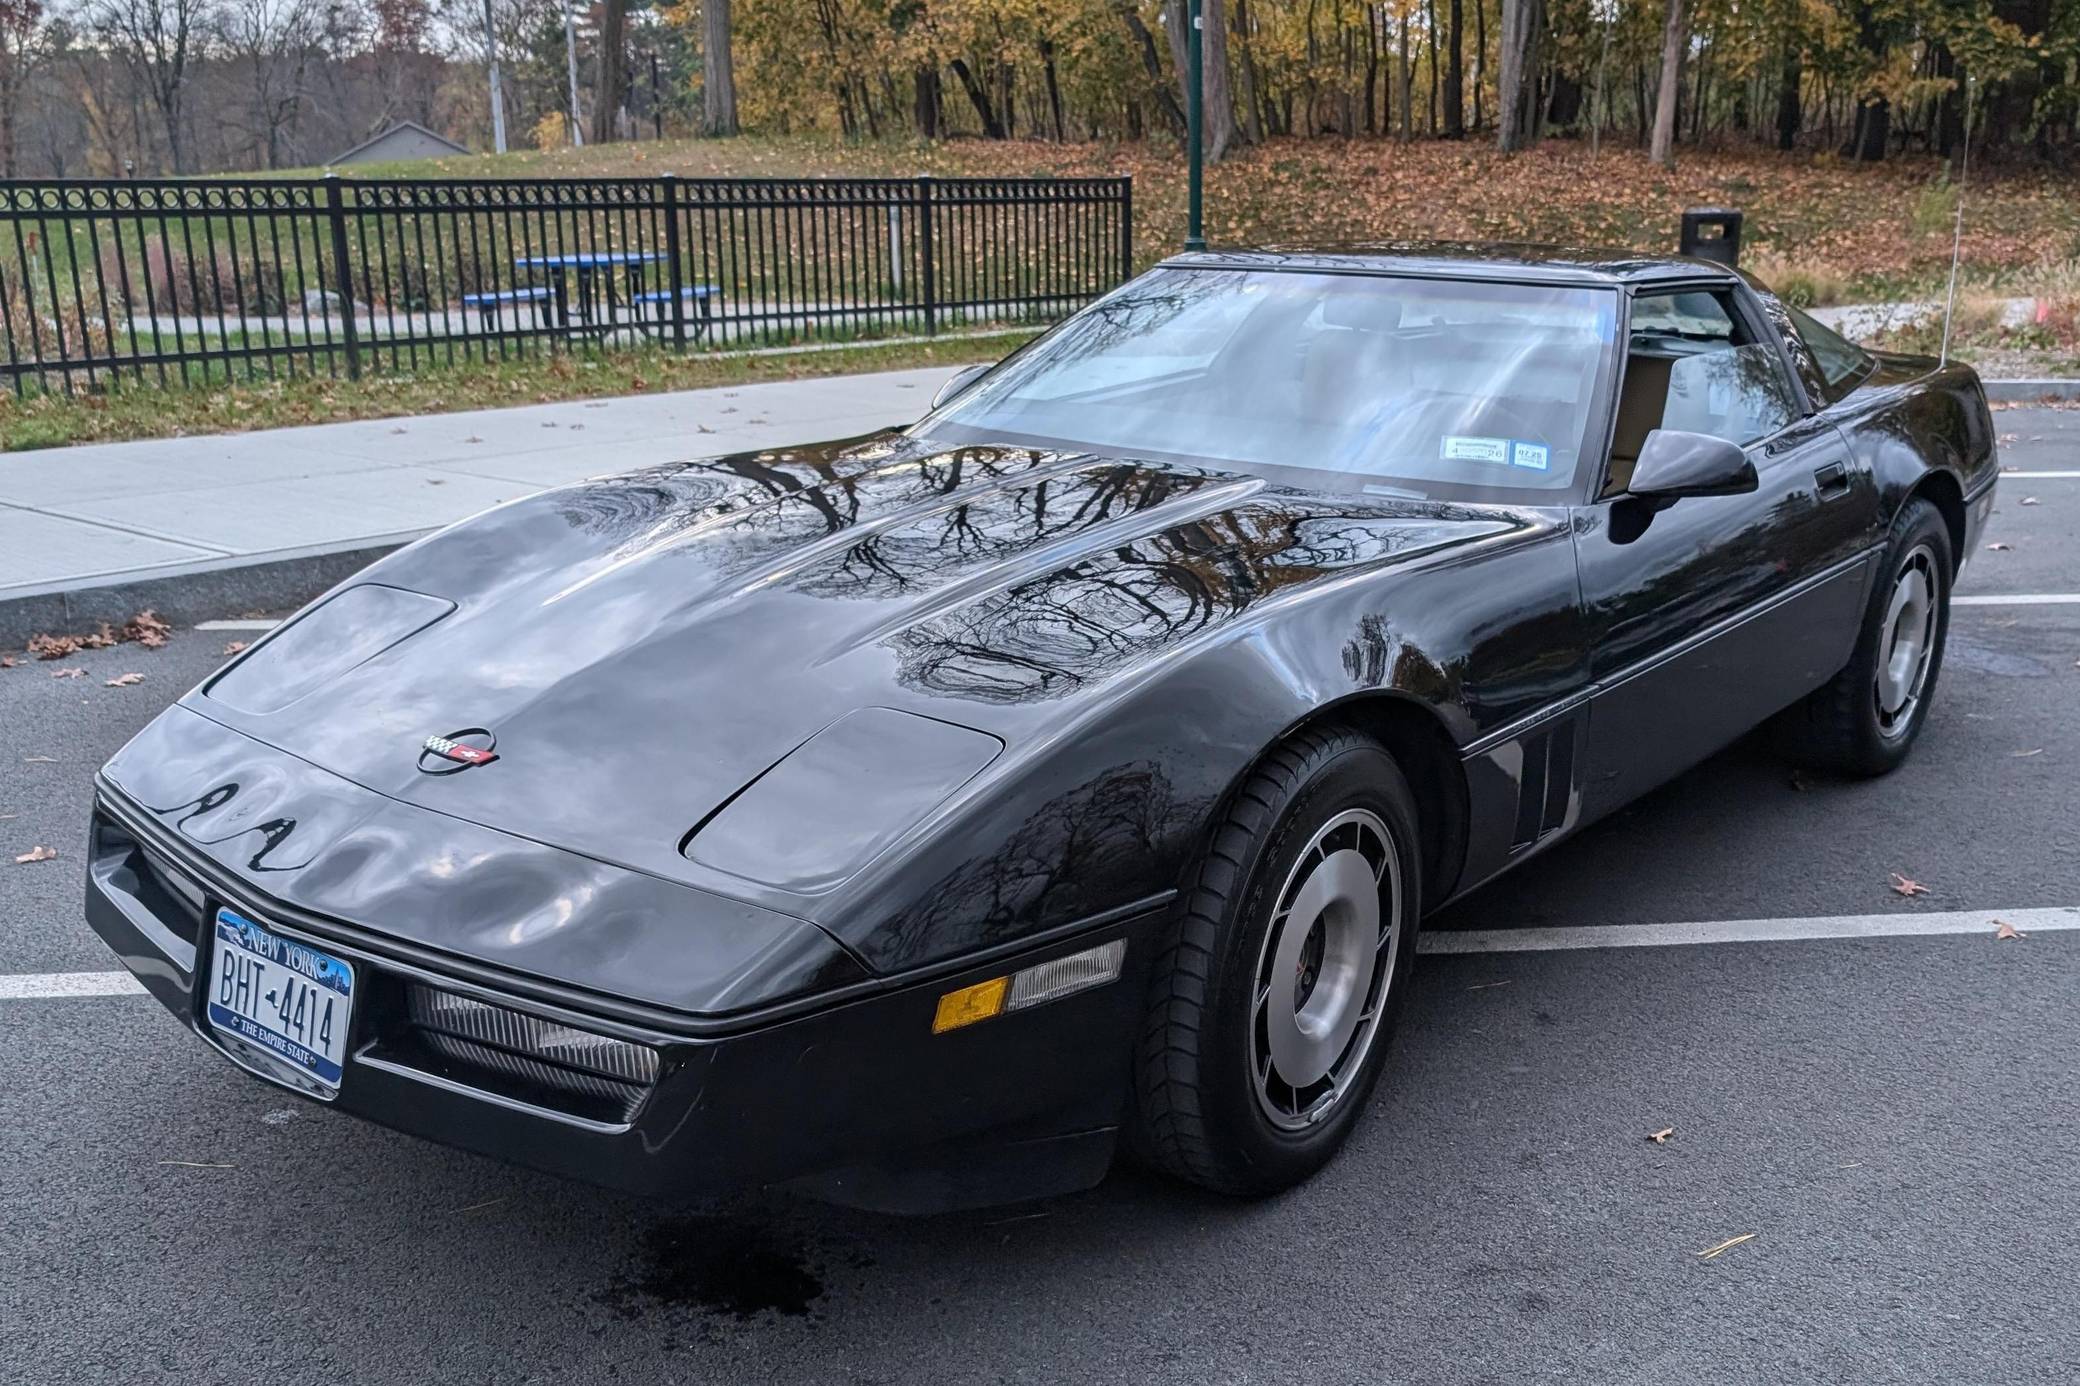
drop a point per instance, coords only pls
(1458, 448)
(1536, 456)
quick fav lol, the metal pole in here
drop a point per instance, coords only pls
(570, 63)
(498, 105)
(1194, 230)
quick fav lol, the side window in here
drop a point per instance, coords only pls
(1841, 362)
(1691, 364)
(1801, 355)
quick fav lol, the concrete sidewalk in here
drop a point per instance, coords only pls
(199, 527)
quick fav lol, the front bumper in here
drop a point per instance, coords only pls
(856, 1100)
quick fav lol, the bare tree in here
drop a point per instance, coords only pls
(22, 50)
(156, 41)
(718, 75)
(1675, 38)
(271, 43)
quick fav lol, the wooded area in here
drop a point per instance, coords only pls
(98, 87)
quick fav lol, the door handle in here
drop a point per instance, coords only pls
(1833, 480)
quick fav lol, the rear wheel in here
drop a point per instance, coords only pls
(1272, 1004)
(1864, 721)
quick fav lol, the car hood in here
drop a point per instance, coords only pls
(644, 646)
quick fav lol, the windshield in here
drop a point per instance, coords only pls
(1402, 386)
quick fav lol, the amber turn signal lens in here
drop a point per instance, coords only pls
(970, 1004)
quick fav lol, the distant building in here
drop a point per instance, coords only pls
(405, 140)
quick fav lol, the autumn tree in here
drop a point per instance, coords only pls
(1675, 38)
(1521, 22)
(718, 75)
(609, 90)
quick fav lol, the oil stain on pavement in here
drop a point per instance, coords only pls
(725, 1266)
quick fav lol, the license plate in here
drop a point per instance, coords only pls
(283, 998)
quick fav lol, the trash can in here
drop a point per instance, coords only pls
(1712, 233)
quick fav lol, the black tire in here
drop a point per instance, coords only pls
(1845, 726)
(1198, 1111)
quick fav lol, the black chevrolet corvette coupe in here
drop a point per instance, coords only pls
(918, 820)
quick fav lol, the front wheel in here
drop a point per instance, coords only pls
(1272, 1003)
(1865, 720)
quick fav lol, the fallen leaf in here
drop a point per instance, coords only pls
(8, 661)
(1998, 547)
(125, 680)
(2018, 755)
(147, 629)
(1712, 1252)
(53, 646)
(2006, 930)
(235, 647)
(36, 854)
(72, 673)
(1661, 1137)
(1905, 886)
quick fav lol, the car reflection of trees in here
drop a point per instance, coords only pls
(749, 506)
(1088, 618)
(1082, 851)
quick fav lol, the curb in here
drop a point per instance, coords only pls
(188, 593)
(2031, 391)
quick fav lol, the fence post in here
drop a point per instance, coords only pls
(1126, 228)
(924, 236)
(336, 213)
(675, 278)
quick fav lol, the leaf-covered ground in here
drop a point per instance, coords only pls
(1883, 228)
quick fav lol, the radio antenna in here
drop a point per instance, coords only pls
(1964, 173)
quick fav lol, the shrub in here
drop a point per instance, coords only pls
(1801, 284)
(1935, 206)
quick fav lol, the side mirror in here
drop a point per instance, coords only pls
(957, 382)
(1673, 464)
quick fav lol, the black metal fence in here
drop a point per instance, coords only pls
(202, 279)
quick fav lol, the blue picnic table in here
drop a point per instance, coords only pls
(592, 307)
(594, 272)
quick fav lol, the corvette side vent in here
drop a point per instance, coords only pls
(531, 1058)
(1542, 795)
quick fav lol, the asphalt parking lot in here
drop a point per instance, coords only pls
(1892, 1118)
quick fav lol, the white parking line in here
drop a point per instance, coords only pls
(2021, 599)
(31, 986)
(1985, 922)
(2042, 476)
(236, 625)
(42, 985)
